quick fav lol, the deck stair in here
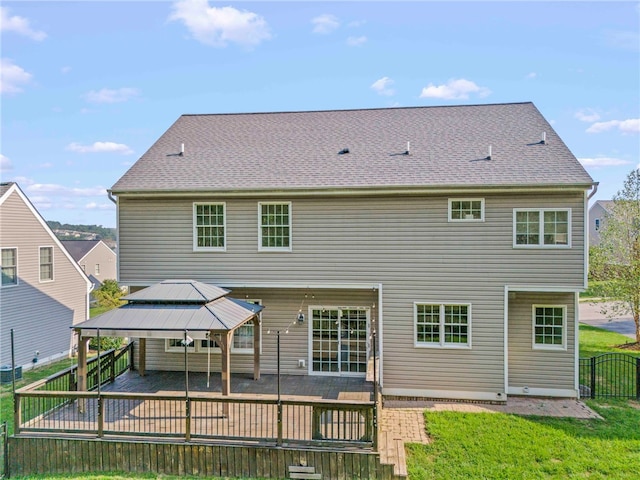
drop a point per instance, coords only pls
(304, 473)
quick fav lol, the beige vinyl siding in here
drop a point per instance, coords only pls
(537, 368)
(41, 313)
(405, 243)
(102, 255)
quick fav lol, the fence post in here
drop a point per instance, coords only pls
(100, 417)
(593, 377)
(112, 359)
(187, 431)
(5, 451)
(638, 378)
(17, 413)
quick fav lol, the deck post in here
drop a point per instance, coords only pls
(100, 417)
(83, 343)
(17, 412)
(225, 348)
(256, 348)
(142, 356)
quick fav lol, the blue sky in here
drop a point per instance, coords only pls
(87, 87)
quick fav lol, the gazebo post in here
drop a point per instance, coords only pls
(256, 347)
(82, 368)
(226, 369)
(142, 356)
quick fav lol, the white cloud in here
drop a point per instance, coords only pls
(99, 206)
(325, 24)
(46, 165)
(625, 40)
(100, 147)
(5, 164)
(603, 162)
(218, 26)
(382, 86)
(532, 75)
(61, 190)
(356, 41)
(587, 115)
(108, 95)
(12, 77)
(65, 69)
(19, 25)
(356, 23)
(454, 89)
(631, 125)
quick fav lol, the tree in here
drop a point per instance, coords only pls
(617, 258)
(108, 295)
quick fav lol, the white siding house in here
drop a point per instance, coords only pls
(43, 292)
(456, 234)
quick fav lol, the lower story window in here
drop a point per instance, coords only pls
(442, 325)
(549, 326)
(177, 345)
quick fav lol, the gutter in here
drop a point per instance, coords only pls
(594, 186)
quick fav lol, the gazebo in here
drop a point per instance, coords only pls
(171, 309)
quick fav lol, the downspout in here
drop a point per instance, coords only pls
(595, 189)
(115, 201)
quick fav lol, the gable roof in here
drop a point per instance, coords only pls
(79, 248)
(6, 189)
(448, 147)
(606, 205)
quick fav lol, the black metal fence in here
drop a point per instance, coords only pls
(610, 375)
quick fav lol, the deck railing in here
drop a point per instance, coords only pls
(199, 416)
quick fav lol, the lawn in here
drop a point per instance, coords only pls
(594, 341)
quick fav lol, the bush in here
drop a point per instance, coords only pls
(106, 343)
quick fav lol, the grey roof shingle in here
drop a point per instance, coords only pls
(79, 248)
(299, 150)
(185, 291)
(4, 187)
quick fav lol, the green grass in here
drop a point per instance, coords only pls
(501, 446)
(594, 341)
(95, 311)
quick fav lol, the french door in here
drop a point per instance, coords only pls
(339, 340)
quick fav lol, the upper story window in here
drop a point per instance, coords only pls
(442, 325)
(46, 264)
(209, 226)
(466, 209)
(549, 327)
(597, 224)
(97, 269)
(542, 227)
(9, 266)
(274, 230)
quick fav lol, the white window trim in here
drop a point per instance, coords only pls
(168, 348)
(17, 268)
(538, 346)
(541, 227)
(441, 344)
(196, 248)
(466, 220)
(40, 264)
(275, 249)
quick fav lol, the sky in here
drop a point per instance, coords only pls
(87, 87)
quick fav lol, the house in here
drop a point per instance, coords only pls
(94, 257)
(43, 291)
(449, 243)
(597, 215)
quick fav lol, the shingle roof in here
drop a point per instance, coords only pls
(4, 187)
(79, 248)
(185, 291)
(299, 150)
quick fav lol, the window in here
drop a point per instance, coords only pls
(542, 228)
(9, 266)
(440, 325)
(549, 327)
(466, 210)
(597, 224)
(97, 269)
(209, 228)
(46, 264)
(177, 345)
(275, 226)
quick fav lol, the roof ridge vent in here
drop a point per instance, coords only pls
(543, 141)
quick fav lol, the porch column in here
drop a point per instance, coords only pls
(83, 343)
(142, 356)
(256, 348)
(225, 355)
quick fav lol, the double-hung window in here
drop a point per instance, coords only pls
(466, 210)
(209, 227)
(542, 227)
(9, 266)
(46, 264)
(442, 325)
(274, 229)
(178, 344)
(549, 327)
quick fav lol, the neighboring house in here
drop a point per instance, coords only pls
(597, 216)
(43, 292)
(95, 258)
(455, 234)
